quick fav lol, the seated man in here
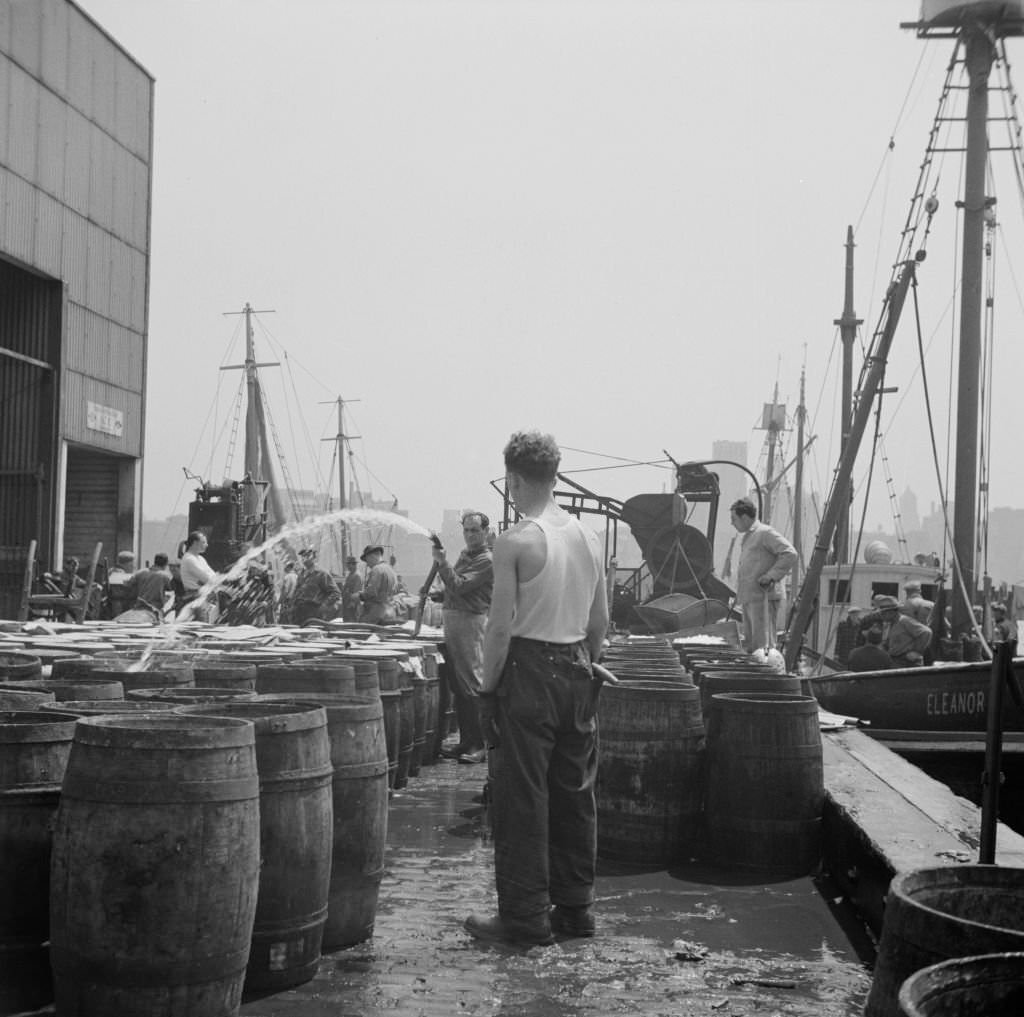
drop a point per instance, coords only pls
(871, 656)
(119, 597)
(906, 640)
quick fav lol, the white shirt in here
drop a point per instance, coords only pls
(196, 571)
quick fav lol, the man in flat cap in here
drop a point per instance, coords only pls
(468, 585)
(378, 594)
(316, 593)
(906, 640)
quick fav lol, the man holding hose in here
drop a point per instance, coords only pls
(538, 702)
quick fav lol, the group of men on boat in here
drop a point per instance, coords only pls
(894, 634)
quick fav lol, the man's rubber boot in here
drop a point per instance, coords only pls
(573, 921)
(525, 932)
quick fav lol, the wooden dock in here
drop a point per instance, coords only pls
(883, 815)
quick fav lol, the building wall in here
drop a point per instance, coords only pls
(75, 184)
(76, 138)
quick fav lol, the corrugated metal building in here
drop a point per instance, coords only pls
(76, 145)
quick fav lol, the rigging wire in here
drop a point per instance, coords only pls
(617, 466)
(296, 413)
(891, 145)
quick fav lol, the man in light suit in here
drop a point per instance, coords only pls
(766, 558)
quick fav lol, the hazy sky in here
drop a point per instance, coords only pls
(618, 220)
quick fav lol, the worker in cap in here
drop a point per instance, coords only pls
(316, 593)
(378, 596)
(906, 639)
(848, 635)
(1003, 629)
(351, 588)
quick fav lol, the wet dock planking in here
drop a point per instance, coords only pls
(883, 815)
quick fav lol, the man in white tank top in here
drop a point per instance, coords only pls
(538, 702)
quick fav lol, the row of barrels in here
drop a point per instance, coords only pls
(208, 838)
(411, 696)
(714, 756)
(953, 937)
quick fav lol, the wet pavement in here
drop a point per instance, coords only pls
(690, 941)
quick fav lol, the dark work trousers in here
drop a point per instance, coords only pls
(542, 779)
(464, 642)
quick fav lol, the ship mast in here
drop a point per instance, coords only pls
(848, 324)
(979, 56)
(340, 439)
(258, 468)
(798, 493)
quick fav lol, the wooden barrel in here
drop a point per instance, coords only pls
(991, 985)
(211, 674)
(406, 735)
(648, 776)
(765, 787)
(23, 699)
(419, 725)
(387, 662)
(86, 687)
(155, 678)
(105, 707)
(712, 683)
(34, 748)
(641, 670)
(933, 915)
(155, 866)
(78, 667)
(192, 694)
(363, 667)
(293, 760)
(391, 706)
(699, 669)
(367, 684)
(360, 795)
(431, 748)
(305, 676)
(16, 664)
(447, 718)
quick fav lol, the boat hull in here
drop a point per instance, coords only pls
(944, 697)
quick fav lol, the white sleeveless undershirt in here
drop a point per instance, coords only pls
(554, 606)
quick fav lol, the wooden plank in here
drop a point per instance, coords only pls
(924, 799)
(883, 815)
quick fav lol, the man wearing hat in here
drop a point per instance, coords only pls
(848, 634)
(468, 585)
(378, 594)
(1003, 630)
(906, 639)
(351, 589)
(316, 593)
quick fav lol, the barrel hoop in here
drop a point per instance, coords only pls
(297, 780)
(147, 974)
(29, 793)
(374, 768)
(154, 792)
(278, 929)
